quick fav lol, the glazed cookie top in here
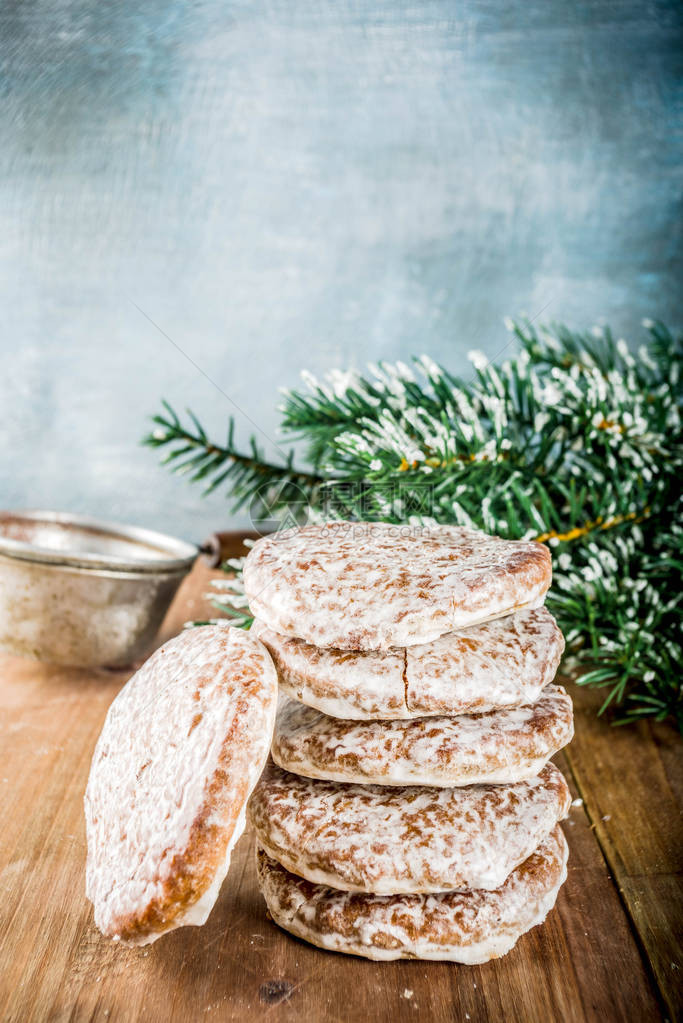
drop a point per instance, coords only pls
(181, 749)
(502, 663)
(412, 839)
(503, 746)
(466, 927)
(372, 586)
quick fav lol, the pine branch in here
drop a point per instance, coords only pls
(626, 627)
(246, 476)
(575, 441)
(228, 595)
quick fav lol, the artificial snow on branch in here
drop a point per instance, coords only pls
(576, 442)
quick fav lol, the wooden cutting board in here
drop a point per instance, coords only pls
(608, 950)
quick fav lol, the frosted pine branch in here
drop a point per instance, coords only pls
(575, 441)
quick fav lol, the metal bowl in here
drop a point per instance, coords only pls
(84, 592)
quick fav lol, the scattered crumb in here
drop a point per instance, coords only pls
(407, 993)
(467, 1015)
(607, 817)
(577, 802)
(475, 983)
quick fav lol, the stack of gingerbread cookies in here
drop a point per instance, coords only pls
(409, 809)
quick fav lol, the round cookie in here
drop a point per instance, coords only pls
(390, 841)
(504, 746)
(372, 586)
(503, 663)
(181, 748)
(342, 683)
(464, 927)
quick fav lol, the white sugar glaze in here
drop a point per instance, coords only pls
(501, 747)
(394, 840)
(503, 663)
(465, 927)
(369, 586)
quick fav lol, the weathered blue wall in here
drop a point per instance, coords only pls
(298, 183)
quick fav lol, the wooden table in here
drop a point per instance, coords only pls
(608, 951)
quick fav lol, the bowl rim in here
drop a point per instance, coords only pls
(181, 553)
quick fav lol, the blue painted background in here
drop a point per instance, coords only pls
(293, 184)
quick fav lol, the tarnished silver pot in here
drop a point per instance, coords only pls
(81, 591)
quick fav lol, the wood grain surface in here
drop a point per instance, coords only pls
(609, 950)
